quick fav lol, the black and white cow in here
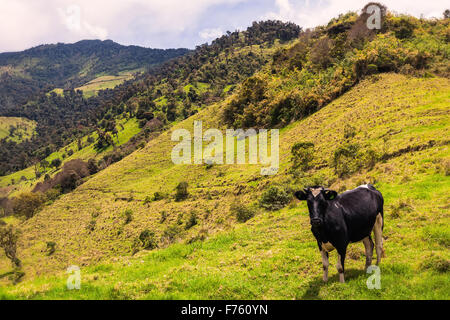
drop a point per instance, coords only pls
(337, 220)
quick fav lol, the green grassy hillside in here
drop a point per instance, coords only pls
(23, 128)
(25, 180)
(402, 120)
(100, 83)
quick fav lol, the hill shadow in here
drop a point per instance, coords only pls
(312, 293)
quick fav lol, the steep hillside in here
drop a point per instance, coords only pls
(400, 123)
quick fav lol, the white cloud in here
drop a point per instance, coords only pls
(72, 17)
(25, 23)
(210, 34)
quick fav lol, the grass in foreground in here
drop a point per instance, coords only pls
(274, 255)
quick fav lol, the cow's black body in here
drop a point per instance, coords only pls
(350, 217)
(341, 219)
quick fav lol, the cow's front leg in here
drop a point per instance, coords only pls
(340, 264)
(325, 264)
(368, 245)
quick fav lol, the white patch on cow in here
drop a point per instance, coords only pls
(327, 246)
(315, 192)
(364, 186)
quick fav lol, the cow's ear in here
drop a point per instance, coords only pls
(330, 194)
(300, 195)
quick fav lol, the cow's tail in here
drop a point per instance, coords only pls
(381, 212)
(381, 209)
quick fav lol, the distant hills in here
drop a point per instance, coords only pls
(26, 73)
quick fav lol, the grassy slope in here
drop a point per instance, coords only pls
(25, 128)
(273, 255)
(131, 128)
(100, 83)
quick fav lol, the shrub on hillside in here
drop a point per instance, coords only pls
(8, 242)
(51, 248)
(56, 163)
(181, 191)
(158, 196)
(171, 233)
(128, 214)
(275, 198)
(92, 166)
(69, 181)
(345, 160)
(148, 239)
(91, 225)
(402, 26)
(302, 156)
(242, 212)
(349, 131)
(52, 194)
(27, 204)
(191, 220)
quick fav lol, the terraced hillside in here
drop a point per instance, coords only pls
(398, 126)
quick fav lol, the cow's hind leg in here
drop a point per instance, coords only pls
(378, 232)
(340, 264)
(368, 245)
(325, 263)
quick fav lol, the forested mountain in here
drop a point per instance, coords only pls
(22, 74)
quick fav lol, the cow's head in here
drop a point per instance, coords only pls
(317, 200)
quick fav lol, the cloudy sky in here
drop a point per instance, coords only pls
(167, 23)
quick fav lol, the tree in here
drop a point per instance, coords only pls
(27, 203)
(56, 163)
(8, 241)
(181, 191)
(44, 164)
(447, 14)
(92, 166)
